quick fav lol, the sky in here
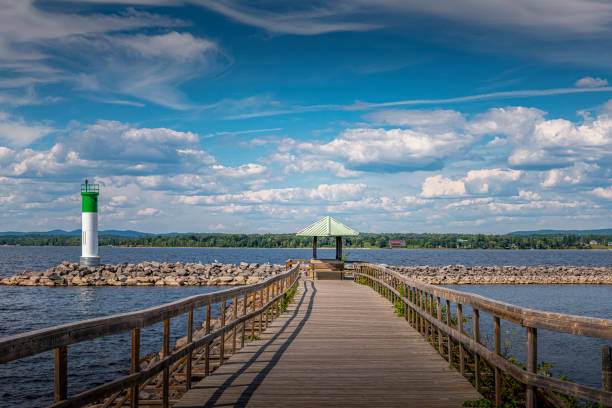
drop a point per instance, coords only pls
(466, 116)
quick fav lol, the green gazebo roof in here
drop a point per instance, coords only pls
(327, 227)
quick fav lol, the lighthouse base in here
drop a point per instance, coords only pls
(90, 261)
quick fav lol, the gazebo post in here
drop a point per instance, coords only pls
(338, 248)
(314, 247)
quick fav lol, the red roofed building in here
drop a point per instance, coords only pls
(397, 244)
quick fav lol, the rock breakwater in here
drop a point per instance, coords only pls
(147, 274)
(506, 275)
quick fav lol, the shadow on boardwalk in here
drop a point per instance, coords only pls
(244, 398)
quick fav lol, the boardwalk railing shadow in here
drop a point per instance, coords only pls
(244, 398)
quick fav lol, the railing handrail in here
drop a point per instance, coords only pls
(420, 300)
(37, 341)
(559, 322)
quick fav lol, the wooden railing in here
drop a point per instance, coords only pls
(266, 299)
(428, 309)
(289, 263)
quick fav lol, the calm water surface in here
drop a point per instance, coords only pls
(29, 382)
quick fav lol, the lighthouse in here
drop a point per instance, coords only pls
(89, 238)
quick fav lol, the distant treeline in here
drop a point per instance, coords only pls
(363, 240)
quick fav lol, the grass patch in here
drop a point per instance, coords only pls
(288, 298)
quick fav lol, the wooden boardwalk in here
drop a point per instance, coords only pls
(340, 344)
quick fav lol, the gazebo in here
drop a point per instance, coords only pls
(327, 227)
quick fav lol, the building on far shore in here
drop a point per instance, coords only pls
(593, 242)
(463, 243)
(397, 244)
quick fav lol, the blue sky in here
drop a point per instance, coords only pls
(394, 116)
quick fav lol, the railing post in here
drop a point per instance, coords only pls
(260, 313)
(61, 373)
(222, 345)
(431, 326)
(189, 340)
(244, 311)
(427, 312)
(268, 308)
(282, 293)
(422, 311)
(277, 287)
(412, 309)
(450, 344)
(498, 382)
(207, 349)
(439, 316)
(134, 389)
(405, 303)
(415, 312)
(419, 304)
(461, 352)
(275, 292)
(166, 372)
(476, 316)
(234, 329)
(606, 370)
(532, 358)
(253, 318)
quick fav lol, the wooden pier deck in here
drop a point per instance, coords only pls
(339, 344)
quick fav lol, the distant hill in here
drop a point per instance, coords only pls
(607, 231)
(118, 233)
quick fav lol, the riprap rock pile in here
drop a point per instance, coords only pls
(505, 275)
(147, 274)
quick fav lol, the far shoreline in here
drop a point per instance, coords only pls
(310, 248)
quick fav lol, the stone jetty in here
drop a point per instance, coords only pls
(506, 275)
(219, 274)
(147, 274)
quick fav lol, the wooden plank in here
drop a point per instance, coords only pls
(532, 361)
(61, 373)
(190, 356)
(498, 384)
(207, 349)
(135, 367)
(606, 370)
(166, 374)
(327, 351)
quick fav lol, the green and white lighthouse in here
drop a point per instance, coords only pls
(89, 238)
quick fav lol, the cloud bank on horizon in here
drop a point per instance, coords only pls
(234, 116)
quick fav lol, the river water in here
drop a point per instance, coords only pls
(29, 382)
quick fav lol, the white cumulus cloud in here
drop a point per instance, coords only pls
(15, 132)
(603, 192)
(381, 150)
(440, 186)
(590, 82)
(323, 192)
(149, 212)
